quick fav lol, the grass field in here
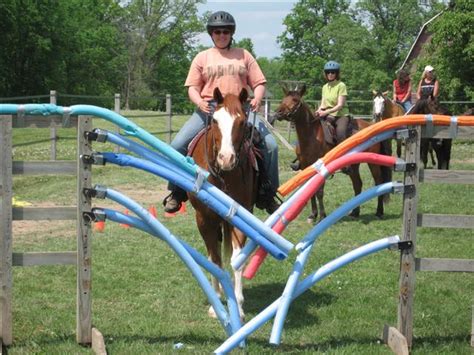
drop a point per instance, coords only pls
(145, 300)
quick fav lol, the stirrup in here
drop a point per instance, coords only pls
(175, 203)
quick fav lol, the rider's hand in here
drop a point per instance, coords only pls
(321, 113)
(204, 106)
(255, 105)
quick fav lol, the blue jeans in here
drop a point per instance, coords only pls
(268, 145)
(406, 105)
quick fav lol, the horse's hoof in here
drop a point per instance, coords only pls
(354, 214)
(310, 220)
(379, 215)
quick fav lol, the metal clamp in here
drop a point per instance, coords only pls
(409, 189)
(200, 178)
(402, 245)
(398, 187)
(88, 217)
(401, 165)
(402, 133)
(232, 211)
(98, 135)
(405, 245)
(429, 125)
(97, 192)
(94, 158)
(96, 215)
(453, 127)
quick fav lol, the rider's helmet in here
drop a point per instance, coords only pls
(332, 65)
(220, 19)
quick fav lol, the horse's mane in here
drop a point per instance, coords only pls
(429, 105)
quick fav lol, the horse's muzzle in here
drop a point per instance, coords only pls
(226, 162)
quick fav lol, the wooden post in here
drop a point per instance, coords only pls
(267, 108)
(84, 243)
(53, 134)
(169, 116)
(117, 110)
(407, 258)
(6, 187)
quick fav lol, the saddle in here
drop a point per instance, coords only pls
(265, 191)
(329, 130)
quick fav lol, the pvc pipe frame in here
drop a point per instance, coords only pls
(170, 175)
(306, 246)
(370, 131)
(299, 199)
(154, 227)
(282, 244)
(304, 285)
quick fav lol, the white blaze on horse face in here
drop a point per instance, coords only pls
(378, 106)
(226, 155)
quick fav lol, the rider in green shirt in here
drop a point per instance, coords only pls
(333, 107)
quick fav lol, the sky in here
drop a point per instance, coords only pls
(261, 21)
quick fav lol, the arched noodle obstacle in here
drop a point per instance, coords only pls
(161, 160)
(358, 142)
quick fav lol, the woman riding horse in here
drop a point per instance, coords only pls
(230, 69)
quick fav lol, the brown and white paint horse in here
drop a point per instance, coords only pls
(224, 152)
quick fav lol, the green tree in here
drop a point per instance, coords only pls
(303, 45)
(153, 32)
(247, 44)
(451, 51)
(70, 46)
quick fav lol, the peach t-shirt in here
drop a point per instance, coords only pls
(230, 70)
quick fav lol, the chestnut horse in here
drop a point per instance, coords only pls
(313, 145)
(224, 151)
(385, 108)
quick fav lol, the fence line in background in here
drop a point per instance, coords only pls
(266, 112)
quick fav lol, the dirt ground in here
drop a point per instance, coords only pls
(145, 197)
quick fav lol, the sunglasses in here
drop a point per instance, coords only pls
(331, 72)
(219, 32)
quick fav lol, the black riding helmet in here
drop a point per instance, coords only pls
(220, 19)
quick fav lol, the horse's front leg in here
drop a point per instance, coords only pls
(320, 196)
(314, 211)
(357, 186)
(211, 232)
(238, 241)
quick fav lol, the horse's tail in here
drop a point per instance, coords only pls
(386, 149)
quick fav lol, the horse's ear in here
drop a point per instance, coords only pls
(285, 90)
(302, 90)
(374, 93)
(218, 96)
(385, 93)
(244, 95)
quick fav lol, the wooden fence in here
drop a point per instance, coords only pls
(400, 338)
(85, 334)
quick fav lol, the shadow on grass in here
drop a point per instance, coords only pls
(366, 218)
(259, 297)
(338, 343)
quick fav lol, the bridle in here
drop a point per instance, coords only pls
(290, 115)
(214, 168)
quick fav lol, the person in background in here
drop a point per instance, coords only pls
(428, 85)
(402, 90)
(230, 69)
(333, 107)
